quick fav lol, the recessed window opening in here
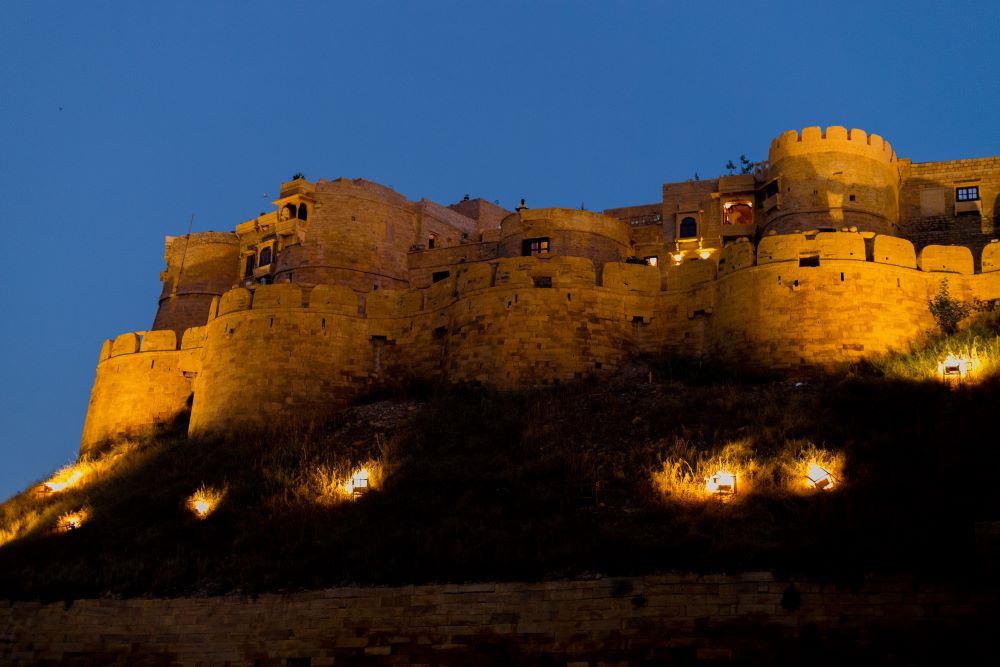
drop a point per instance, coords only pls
(534, 246)
(852, 197)
(688, 228)
(288, 212)
(438, 276)
(265, 256)
(303, 213)
(968, 193)
(811, 260)
(432, 241)
(738, 213)
(771, 189)
(542, 281)
(249, 266)
(841, 276)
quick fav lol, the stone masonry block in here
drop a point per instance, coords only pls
(281, 295)
(156, 341)
(841, 245)
(991, 257)
(234, 300)
(895, 251)
(946, 258)
(635, 277)
(125, 344)
(781, 248)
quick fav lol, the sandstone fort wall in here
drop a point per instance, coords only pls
(833, 178)
(199, 267)
(278, 352)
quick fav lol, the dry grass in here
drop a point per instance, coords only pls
(484, 485)
(686, 473)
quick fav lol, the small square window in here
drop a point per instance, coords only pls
(968, 193)
(534, 246)
(542, 281)
(651, 261)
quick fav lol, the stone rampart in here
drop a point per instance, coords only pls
(832, 178)
(199, 267)
(142, 381)
(834, 139)
(281, 352)
(748, 619)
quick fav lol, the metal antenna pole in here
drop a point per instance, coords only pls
(187, 240)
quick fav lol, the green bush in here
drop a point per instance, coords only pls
(947, 310)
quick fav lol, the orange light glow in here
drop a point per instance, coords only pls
(705, 254)
(204, 501)
(955, 367)
(722, 483)
(358, 483)
(64, 480)
(73, 520)
(819, 477)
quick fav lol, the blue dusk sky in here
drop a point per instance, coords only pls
(119, 120)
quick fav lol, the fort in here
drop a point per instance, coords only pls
(824, 254)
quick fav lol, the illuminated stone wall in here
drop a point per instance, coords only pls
(371, 290)
(284, 353)
(571, 233)
(752, 618)
(833, 178)
(199, 267)
(143, 380)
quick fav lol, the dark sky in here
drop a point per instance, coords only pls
(119, 120)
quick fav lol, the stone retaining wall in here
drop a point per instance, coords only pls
(655, 620)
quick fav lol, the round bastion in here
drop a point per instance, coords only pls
(564, 232)
(833, 178)
(199, 267)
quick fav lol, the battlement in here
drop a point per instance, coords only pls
(834, 139)
(350, 287)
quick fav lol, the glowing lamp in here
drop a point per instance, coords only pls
(705, 254)
(677, 258)
(722, 483)
(954, 368)
(359, 482)
(72, 520)
(819, 477)
(204, 501)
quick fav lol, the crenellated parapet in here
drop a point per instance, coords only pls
(346, 286)
(836, 139)
(835, 178)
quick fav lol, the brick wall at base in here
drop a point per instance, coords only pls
(672, 619)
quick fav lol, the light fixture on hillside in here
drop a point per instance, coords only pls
(360, 482)
(73, 520)
(954, 368)
(204, 501)
(722, 483)
(819, 477)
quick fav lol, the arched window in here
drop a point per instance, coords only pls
(288, 212)
(265, 256)
(303, 213)
(689, 228)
